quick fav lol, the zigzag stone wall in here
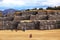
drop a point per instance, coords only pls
(31, 20)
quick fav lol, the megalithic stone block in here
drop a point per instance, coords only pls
(32, 17)
(27, 25)
(10, 25)
(53, 27)
(57, 21)
(51, 12)
(42, 12)
(8, 18)
(1, 18)
(24, 17)
(58, 13)
(29, 12)
(21, 26)
(57, 26)
(46, 27)
(37, 25)
(1, 25)
(41, 17)
(58, 17)
(25, 13)
(52, 17)
(30, 25)
(51, 22)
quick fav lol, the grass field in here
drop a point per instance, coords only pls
(36, 35)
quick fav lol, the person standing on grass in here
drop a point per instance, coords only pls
(30, 36)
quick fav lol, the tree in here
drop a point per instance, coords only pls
(27, 10)
(58, 7)
(53, 8)
(49, 8)
(34, 9)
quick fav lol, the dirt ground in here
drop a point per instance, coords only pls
(36, 35)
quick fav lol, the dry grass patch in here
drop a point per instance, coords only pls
(36, 35)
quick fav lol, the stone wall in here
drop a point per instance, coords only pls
(31, 20)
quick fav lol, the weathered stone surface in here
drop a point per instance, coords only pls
(37, 25)
(10, 25)
(47, 27)
(41, 20)
(51, 22)
(1, 18)
(52, 17)
(18, 13)
(41, 17)
(51, 12)
(58, 13)
(8, 18)
(57, 21)
(42, 13)
(25, 17)
(48, 22)
(21, 25)
(38, 17)
(27, 25)
(32, 17)
(29, 13)
(1, 25)
(58, 17)
(57, 26)
(30, 25)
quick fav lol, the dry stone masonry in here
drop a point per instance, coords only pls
(31, 20)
